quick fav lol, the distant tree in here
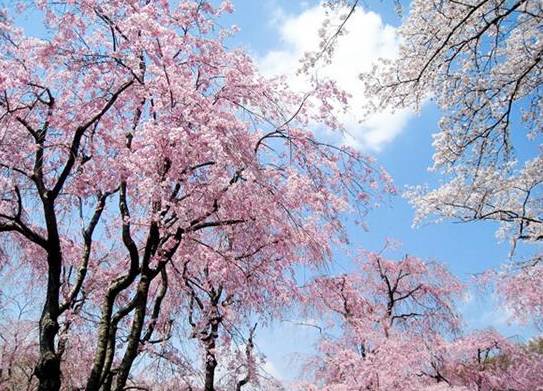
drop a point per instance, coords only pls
(485, 360)
(143, 166)
(18, 351)
(390, 315)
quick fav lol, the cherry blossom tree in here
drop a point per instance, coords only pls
(145, 167)
(390, 315)
(18, 350)
(486, 360)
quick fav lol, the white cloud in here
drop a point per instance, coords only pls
(367, 39)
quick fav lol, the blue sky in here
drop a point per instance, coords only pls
(276, 32)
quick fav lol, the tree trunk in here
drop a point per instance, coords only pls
(93, 383)
(135, 334)
(47, 369)
(211, 359)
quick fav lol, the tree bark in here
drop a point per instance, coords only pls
(47, 369)
(211, 359)
(135, 335)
